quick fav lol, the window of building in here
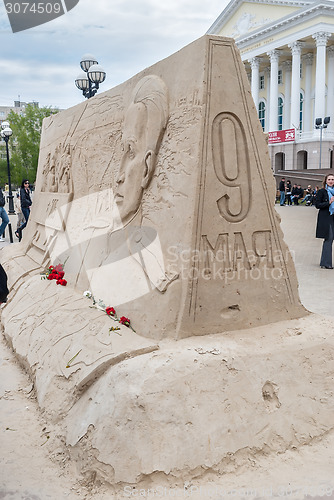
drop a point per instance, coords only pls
(301, 107)
(262, 114)
(2, 113)
(280, 77)
(301, 70)
(261, 82)
(280, 114)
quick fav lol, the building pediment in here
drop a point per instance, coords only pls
(242, 17)
(319, 16)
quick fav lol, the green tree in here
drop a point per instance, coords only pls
(3, 171)
(25, 141)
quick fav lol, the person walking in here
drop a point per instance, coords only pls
(324, 202)
(282, 192)
(288, 192)
(18, 210)
(25, 206)
(3, 215)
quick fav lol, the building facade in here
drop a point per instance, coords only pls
(287, 47)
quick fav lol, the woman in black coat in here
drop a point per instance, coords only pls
(25, 206)
(325, 224)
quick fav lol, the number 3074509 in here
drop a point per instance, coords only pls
(33, 8)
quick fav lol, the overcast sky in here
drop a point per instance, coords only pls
(126, 36)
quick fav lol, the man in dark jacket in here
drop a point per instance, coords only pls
(282, 192)
(297, 193)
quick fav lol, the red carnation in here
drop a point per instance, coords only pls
(124, 321)
(110, 311)
(61, 282)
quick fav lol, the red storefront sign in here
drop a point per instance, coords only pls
(281, 136)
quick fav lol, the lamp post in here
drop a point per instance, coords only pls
(93, 75)
(6, 132)
(321, 126)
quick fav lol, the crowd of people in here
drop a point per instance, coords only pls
(22, 206)
(295, 194)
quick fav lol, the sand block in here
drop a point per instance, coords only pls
(159, 196)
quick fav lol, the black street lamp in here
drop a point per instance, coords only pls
(319, 124)
(89, 81)
(6, 132)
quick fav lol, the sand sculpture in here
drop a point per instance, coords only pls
(159, 197)
(158, 194)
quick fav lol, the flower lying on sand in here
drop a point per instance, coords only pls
(124, 321)
(55, 273)
(110, 311)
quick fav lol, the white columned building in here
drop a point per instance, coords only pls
(307, 61)
(287, 67)
(295, 85)
(287, 47)
(273, 102)
(320, 73)
(330, 85)
(255, 64)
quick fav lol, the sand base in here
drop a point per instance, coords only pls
(199, 418)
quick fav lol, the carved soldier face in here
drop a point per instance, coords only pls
(137, 162)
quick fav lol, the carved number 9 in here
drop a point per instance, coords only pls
(231, 164)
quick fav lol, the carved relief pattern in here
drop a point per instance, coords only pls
(321, 38)
(57, 177)
(247, 22)
(274, 56)
(308, 59)
(296, 48)
(287, 65)
(255, 62)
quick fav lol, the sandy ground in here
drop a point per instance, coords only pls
(34, 464)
